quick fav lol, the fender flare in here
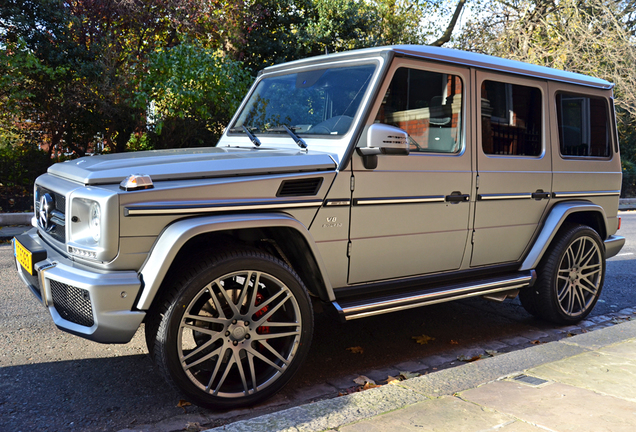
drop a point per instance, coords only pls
(172, 239)
(558, 214)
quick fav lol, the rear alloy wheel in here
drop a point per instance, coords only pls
(235, 331)
(570, 277)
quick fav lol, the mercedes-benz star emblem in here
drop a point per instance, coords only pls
(44, 214)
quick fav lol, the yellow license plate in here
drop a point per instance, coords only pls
(24, 256)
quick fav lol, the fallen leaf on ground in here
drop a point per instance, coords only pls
(193, 427)
(536, 342)
(362, 380)
(408, 375)
(423, 339)
(182, 404)
(454, 342)
(465, 358)
(356, 350)
(392, 380)
(368, 386)
(492, 353)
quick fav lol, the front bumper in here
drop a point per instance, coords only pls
(96, 305)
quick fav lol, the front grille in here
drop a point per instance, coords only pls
(57, 222)
(72, 303)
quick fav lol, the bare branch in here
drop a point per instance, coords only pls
(451, 26)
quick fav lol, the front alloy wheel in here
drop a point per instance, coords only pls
(235, 331)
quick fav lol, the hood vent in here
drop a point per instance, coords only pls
(304, 187)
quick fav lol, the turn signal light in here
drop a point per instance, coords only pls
(136, 181)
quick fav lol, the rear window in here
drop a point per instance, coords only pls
(511, 119)
(583, 125)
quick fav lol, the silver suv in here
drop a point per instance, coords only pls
(372, 181)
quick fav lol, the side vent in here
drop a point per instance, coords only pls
(304, 187)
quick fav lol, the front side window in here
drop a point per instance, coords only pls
(316, 102)
(510, 119)
(427, 105)
(583, 125)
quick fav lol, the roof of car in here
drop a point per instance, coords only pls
(454, 56)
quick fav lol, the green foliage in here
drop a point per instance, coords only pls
(20, 164)
(192, 88)
(286, 30)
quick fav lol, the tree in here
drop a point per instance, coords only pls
(592, 37)
(193, 92)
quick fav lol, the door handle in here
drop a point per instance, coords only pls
(457, 197)
(539, 195)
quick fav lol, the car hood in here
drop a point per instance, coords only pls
(190, 163)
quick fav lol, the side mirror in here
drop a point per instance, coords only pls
(383, 139)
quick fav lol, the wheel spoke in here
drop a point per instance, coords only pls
(245, 289)
(281, 324)
(585, 259)
(216, 369)
(200, 348)
(564, 292)
(202, 359)
(215, 300)
(252, 303)
(250, 360)
(228, 367)
(265, 359)
(570, 258)
(591, 287)
(228, 299)
(579, 251)
(273, 351)
(206, 319)
(239, 365)
(571, 299)
(200, 329)
(275, 335)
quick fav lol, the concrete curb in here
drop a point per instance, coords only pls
(627, 204)
(334, 413)
(15, 219)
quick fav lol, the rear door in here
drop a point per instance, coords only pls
(514, 170)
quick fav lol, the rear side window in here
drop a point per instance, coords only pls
(511, 119)
(583, 125)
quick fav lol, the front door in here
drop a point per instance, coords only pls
(410, 215)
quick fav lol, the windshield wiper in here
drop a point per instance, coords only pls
(249, 134)
(298, 140)
(252, 138)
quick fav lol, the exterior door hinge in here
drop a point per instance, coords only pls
(472, 239)
(349, 250)
(353, 183)
(477, 182)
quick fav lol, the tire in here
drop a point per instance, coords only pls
(570, 277)
(232, 330)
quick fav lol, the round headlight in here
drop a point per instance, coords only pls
(95, 224)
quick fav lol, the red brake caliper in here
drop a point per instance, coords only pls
(260, 313)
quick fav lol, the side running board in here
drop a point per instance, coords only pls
(357, 308)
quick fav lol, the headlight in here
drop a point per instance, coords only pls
(95, 222)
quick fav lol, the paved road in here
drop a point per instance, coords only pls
(50, 380)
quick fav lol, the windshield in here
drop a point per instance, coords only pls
(316, 102)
